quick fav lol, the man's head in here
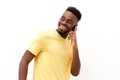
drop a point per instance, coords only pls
(75, 11)
(69, 19)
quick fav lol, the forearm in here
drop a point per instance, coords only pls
(23, 69)
(75, 68)
(23, 66)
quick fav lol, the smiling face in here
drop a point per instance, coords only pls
(67, 21)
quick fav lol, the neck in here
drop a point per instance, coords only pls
(64, 35)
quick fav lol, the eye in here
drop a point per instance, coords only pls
(62, 18)
(69, 21)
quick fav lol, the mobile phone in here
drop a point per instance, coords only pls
(73, 28)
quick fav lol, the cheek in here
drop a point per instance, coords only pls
(59, 23)
(70, 26)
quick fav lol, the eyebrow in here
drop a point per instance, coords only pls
(68, 19)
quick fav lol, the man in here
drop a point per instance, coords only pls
(55, 52)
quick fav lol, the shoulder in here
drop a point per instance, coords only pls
(45, 33)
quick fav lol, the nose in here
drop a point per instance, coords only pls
(64, 22)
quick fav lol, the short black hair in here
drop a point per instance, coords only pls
(75, 11)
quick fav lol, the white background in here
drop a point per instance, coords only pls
(98, 34)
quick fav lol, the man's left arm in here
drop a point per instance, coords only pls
(76, 65)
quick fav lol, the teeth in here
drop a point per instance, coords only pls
(62, 26)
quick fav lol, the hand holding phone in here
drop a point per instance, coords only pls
(72, 36)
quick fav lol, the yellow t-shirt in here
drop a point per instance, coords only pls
(53, 56)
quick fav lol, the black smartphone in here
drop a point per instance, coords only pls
(73, 28)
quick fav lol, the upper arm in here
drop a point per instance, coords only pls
(27, 57)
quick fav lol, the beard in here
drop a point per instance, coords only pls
(63, 32)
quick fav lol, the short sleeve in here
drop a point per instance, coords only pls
(37, 44)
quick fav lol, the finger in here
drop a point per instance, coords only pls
(71, 33)
(69, 37)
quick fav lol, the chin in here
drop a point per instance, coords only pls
(62, 32)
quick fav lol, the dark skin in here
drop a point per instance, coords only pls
(65, 25)
(69, 20)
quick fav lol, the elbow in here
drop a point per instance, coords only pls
(75, 72)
